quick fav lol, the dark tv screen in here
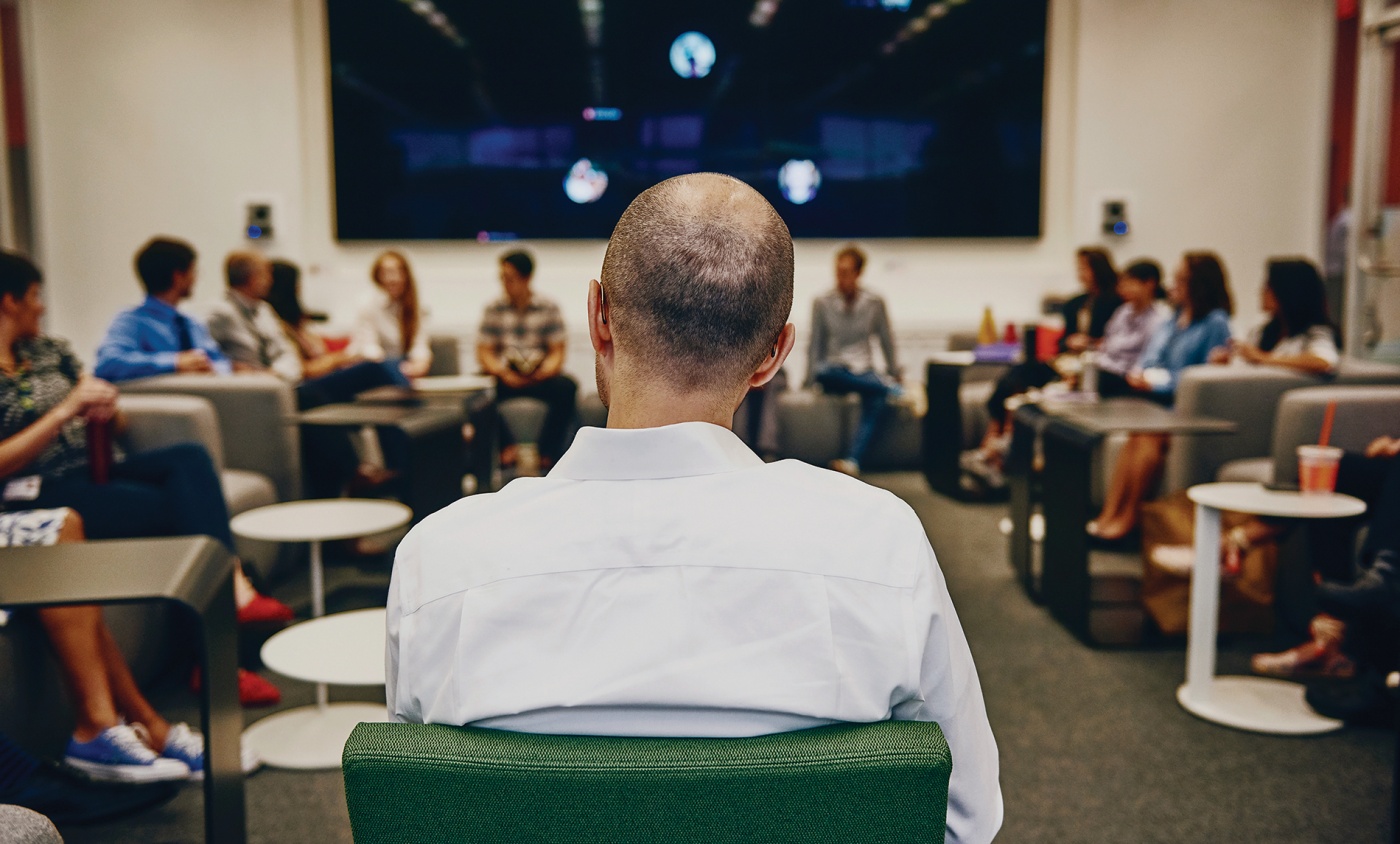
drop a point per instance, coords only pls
(486, 120)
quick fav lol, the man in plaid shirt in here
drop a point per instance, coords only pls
(521, 344)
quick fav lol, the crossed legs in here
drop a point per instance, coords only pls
(94, 669)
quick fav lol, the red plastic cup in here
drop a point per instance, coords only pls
(1317, 469)
(99, 448)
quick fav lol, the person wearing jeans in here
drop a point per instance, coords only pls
(845, 322)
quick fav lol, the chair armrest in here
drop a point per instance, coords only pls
(1363, 413)
(1245, 395)
(155, 421)
(257, 420)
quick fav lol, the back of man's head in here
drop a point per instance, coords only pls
(240, 267)
(698, 280)
(159, 260)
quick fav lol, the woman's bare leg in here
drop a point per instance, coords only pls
(1138, 470)
(126, 694)
(74, 633)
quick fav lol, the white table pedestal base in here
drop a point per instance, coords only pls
(1257, 704)
(309, 737)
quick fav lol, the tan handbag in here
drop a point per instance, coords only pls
(1246, 602)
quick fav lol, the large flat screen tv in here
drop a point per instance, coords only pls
(497, 119)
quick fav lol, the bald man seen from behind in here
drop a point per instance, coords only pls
(662, 580)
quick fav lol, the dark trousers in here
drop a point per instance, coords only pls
(560, 395)
(327, 453)
(1017, 380)
(1375, 480)
(171, 491)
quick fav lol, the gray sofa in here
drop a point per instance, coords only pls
(34, 710)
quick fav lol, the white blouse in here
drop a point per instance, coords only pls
(1320, 341)
(378, 335)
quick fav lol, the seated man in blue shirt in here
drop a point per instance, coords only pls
(154, 338)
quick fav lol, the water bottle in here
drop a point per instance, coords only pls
(1089, 373)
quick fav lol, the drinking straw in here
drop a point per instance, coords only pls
(1327, 417)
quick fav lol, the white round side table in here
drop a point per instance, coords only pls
(1258, 704)
(313, 736)
(344, 649)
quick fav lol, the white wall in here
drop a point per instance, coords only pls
(162, 115)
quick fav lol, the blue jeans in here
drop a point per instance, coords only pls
(875, 393)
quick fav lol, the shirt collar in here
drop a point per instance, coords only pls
(247, 304)
(683, 450)
(159, 307)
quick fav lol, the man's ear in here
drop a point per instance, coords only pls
(599, 331)
(777, 355)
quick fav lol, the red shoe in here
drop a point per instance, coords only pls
(253, 690)
(264, 609)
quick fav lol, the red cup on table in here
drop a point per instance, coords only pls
(1317, 469)
(99, 448)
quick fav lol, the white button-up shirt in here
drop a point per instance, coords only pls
(667, 582)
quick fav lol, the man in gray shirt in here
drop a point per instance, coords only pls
(840, 358)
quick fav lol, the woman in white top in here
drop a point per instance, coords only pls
(392, 324)
(1299, 334)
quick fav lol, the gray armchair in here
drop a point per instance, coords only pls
(1248, 396)
(256, 415)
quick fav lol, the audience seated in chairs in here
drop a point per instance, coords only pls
(845, 321)
(118, 736)
(284, 297)
(1298, 335)
(251, 336)
(680, 586)
(1124, 337)
(155, 338)
(47, 406)
(521, 344)
(392, 323)
(1201, 295)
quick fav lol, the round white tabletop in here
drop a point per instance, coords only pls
(1254, 498)
(343, 649)
(321, 520)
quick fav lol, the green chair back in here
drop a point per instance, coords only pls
(885, 782)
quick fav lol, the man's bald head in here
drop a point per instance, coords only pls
(698, 279)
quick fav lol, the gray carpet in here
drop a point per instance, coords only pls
(1093, 745)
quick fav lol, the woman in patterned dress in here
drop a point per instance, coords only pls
(47, 404)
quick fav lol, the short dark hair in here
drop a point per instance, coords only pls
(159, 260)
(1302, 300)
(1207, 285)
(1100, 267)
(1149, 271)
(854, 252)
(698, 278)
(521, 260)
(17, 275)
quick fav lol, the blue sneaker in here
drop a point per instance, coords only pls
(117, 754)
(187, 746)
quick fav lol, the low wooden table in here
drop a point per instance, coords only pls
(1070, 433)
(943, 420)
(195, 573)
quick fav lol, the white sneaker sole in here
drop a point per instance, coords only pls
(161, 770)
(251, 762)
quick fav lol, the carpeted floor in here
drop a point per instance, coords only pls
(1093, 745)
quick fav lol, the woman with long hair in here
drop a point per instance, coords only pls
(393, 324)
(1299, 334)
(1200, 293)
(1086, 319)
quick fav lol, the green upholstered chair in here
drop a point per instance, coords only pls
(885, 782)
